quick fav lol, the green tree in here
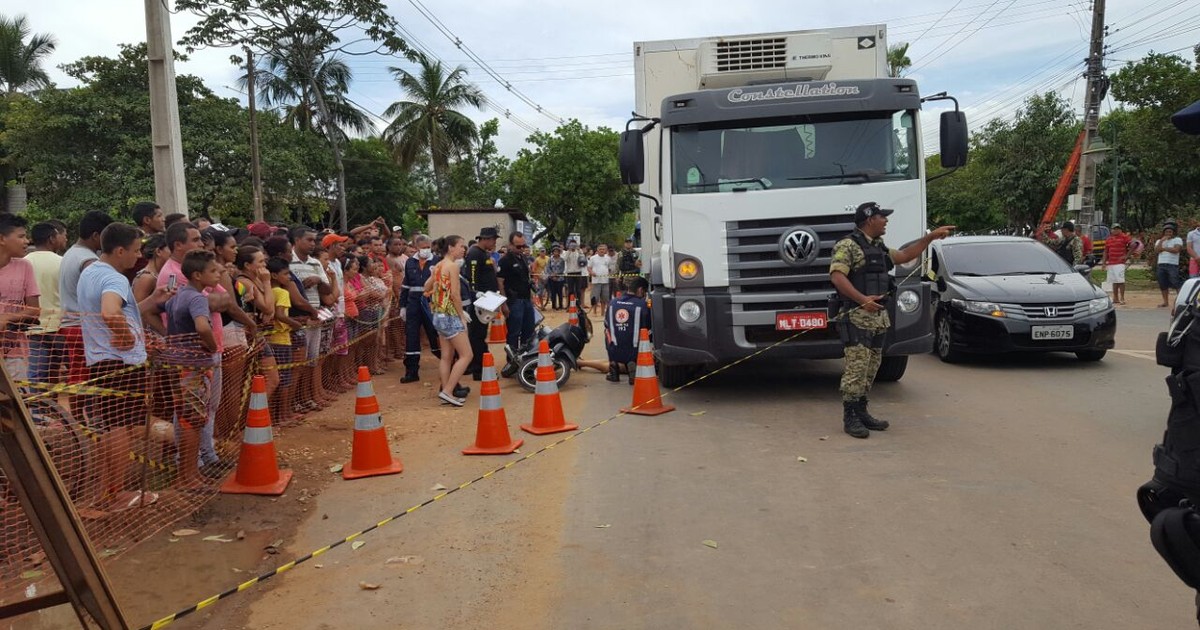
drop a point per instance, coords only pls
(897, 59)
(477, 177)
(377, 187)
(283, 79)
(267, 26)
(963, 199)
(21, 55)
(429, 122)
(569, 181)
(1023, 158)
(88, 147)
(1159, 167)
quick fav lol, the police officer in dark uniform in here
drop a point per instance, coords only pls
(417, 316)
(627, 316)
(481, 273)
(859, 271)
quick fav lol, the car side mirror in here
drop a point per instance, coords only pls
(954, 137)
(941, 284)
(632, 158)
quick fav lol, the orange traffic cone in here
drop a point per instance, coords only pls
(647, 401)
(498, 331)
(547, 404)
(572, 312)
(370, 454)
(491, 436)
(258, 469)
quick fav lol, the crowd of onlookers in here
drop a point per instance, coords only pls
(164, 319)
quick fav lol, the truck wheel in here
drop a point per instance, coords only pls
(672, 376)
(892, 369)
(1090, 355)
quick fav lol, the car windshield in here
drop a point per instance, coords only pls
(794, 152)
(1005, 258)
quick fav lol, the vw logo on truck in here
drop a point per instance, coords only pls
(799, 246)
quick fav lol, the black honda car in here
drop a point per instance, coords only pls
(999, 294)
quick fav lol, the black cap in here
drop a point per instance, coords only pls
(1069, 225)
(487, 232)
(869, 209)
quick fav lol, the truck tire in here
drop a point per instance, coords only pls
(672, 376)
(891, 369)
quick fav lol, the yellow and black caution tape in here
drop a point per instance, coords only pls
(165, 621)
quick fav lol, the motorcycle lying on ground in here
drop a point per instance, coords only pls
(566, 345)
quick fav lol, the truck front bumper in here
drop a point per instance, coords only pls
(717, 336)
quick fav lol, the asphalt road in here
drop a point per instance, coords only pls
(1002, 497)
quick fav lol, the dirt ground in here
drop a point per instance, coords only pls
(166, 573)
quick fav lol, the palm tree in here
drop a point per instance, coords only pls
(429, 123)
(897, 60)
(21, 60)
(310, 86)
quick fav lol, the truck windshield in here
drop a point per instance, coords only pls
(794, 152)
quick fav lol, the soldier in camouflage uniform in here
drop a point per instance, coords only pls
(859, 271)
(1069, 247)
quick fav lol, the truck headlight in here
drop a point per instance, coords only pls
(1099, 305)
(908, 301)
(982, 308)
(689, 311)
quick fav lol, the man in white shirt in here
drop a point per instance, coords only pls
(599, 268)
(1168, 248)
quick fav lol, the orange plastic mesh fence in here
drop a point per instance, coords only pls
(140, 447)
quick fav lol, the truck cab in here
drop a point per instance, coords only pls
(755, 152)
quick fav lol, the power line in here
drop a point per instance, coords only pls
(457, 41)
(959, 41)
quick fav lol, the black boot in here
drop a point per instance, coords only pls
(613, 375)
(412, 363)
(869, 421)
(410, 377)
(850, 419)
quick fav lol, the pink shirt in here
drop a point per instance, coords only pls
(172, 268)
(17, 282)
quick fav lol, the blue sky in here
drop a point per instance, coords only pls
(574, 59)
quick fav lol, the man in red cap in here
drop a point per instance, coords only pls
(261, 230)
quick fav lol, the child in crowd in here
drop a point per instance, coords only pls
(280, 337)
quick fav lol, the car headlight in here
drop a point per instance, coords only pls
(983, 308)
(1099, 305)
(689, 311)
(908, 301)
(687, 268)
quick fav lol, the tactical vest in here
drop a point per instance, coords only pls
(1064, 250)
(1177, 459)
(872, 278)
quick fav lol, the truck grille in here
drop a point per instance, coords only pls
(760, 283)
(751, 54)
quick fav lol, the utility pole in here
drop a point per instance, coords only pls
(1097, 88)
(170, 189)
(255, 165)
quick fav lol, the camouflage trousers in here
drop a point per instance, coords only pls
(861, 365)
(862, 360)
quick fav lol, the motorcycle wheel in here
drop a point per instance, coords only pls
(527, 374)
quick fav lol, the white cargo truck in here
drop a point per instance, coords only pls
(751, 153)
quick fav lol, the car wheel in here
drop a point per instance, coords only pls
(891, 369)
(1091, 355)
(943, 343)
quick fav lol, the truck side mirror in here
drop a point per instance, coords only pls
(954, 139)
(631, 158)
